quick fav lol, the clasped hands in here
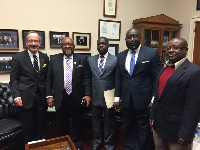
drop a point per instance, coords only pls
(50, 101)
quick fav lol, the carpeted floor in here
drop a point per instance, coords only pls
(87, 138)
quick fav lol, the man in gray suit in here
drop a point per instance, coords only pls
(103, 78)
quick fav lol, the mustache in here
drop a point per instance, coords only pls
(34, 46)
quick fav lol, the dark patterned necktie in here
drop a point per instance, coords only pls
(35, 63)
(101, 65)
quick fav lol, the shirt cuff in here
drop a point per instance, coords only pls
(117, 99)
(152, 99)
(49, 96)
(16, 98)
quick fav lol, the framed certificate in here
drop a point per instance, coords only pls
(110, 29)
(110, 8)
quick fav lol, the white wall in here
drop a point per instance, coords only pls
(82, 16)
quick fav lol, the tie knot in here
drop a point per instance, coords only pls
(34, 56)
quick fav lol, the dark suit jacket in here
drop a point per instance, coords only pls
(177, 111)
(81, 79)
(139, 86)
(104, 82)
(23, 79)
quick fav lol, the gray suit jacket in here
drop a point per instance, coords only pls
(104, 82)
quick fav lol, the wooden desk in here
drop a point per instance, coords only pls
(58, 143)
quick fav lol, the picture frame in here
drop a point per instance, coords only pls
(82, 41)
(85, 54)
(6, 61)
(109, 29)
(9, 39)
(56, 38)
(198, 5)
(42, 37)
(110, 8)
(113, 49)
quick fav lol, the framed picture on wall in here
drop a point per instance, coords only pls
(9, 39)
(110, 29)
(198, 5)
(82, 41)
(85, 54)
(56, 38)
(42, 37)
(113, 49)
(6, 61)
(110, 8)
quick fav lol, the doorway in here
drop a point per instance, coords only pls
(196, 52)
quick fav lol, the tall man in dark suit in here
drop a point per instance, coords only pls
(28, 85)
(103, 78)
(136, 72)
(175, 111)
(68, 82)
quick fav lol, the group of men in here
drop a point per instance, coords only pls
(138, 79)
(7, 40)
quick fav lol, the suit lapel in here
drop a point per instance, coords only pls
(41, 63)
(75, 63)
(96, 64)
(122, 62)
(60, 64)
(28, 63)
(141, 56)
(108, 61)
(174, 77)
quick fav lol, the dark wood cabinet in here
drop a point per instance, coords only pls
(156, 31)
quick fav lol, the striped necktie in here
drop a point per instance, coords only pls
(101, 65)
(35, 63)
(68, 76)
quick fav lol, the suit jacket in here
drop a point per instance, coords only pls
(140, 85)
(81, 79)
(24, 80)
(177, 111)
(104, 82)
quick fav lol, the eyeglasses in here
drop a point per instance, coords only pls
(67, 44)
(35, 41)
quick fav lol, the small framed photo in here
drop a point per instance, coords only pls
(113, 49)
(42, 36)
(56, 38)
(9, 39)
(6, 61)
(82, 41)
(110, 29)
(110, 8)
(198, 5)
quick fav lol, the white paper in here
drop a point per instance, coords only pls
(32, 142)
(109, 98)
(109, 30)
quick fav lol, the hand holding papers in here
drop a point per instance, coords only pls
(109, 98)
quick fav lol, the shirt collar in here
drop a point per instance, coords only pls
(105, 56)
(31, 54)
(136, 50)
(65, 57)
(177, 64)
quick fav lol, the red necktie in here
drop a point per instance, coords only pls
(164, 77)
